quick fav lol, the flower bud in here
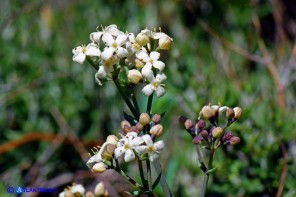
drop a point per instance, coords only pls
(204, 134)
(134, 76)
(197, 140)
(134, 129)
(217, 132)
(142, 39)
(188, 124)
(156, 118)
(144, 119)
(139, 63)
(68, 193)
(89, 194)
(237, 112)
(227, 136)
(139, 126)
(234, 140)
(112, 139)
(110, 148)
(156, 130)
(165, 42)
(208, 112)
(100, 190)
(182, 120)
(230, 113)
(201, 124)
(99, 167)
(125, 126)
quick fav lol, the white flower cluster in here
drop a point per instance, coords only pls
(139, 53)
(128, 147)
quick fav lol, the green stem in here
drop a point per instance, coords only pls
(133, 95)
(125, 98)
(149, 104)
(144, 181)
(132, 181)
(206, 174)
(149, 173)
(163, 182)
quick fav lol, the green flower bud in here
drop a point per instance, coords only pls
(99, 167)
(100, 190)
(208, 112)
(142, 39)
(134, 76)
(156, 130)
(144, 119)
(165, 42)
(237, 112)
(217, 132)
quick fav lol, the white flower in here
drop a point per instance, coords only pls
(153, 150)
(151, 60)
(97, 158)
(106, 67)
(126, 145)
(131, 45)
(75, 190)
(155, 84)
(112, 29)
(114, 45)
(80, 53)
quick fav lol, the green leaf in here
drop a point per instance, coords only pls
(156, 181)
(130, 119)
(211, 170)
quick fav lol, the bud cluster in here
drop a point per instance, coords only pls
(200, 132)
(77, 190)
(134, 141)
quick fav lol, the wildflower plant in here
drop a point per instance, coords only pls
(131, 61)
(210, 138)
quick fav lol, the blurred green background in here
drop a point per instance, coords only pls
(233, 52)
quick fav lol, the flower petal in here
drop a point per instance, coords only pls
(141, 149)
(153, 157)
(147, 140)
(161, 77)
(148, 90)
(92, 50)
(136, 141)
(142, 55)
(108, 39)
(79, 58)
(121, 39)
(107, 53)
(113, 30)
(119, 151)
(159, 65)
(129, 155)
(77, 50)
(147, 72)
(160, 91)
(96, 36)
(121, 52)
(101, 74)
(159, 145)
(154, 55)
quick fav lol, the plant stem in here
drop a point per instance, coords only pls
(144, 181)
(125, 98)
(163, 182)
(206, 174)
(149, 104)
(133, 95)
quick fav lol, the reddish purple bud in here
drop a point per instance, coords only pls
(234, 140)
(227, 136)
(201, 124)
(188, 124)
(156, 118)
(182, 120)
(197, 140)
(204, 134)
